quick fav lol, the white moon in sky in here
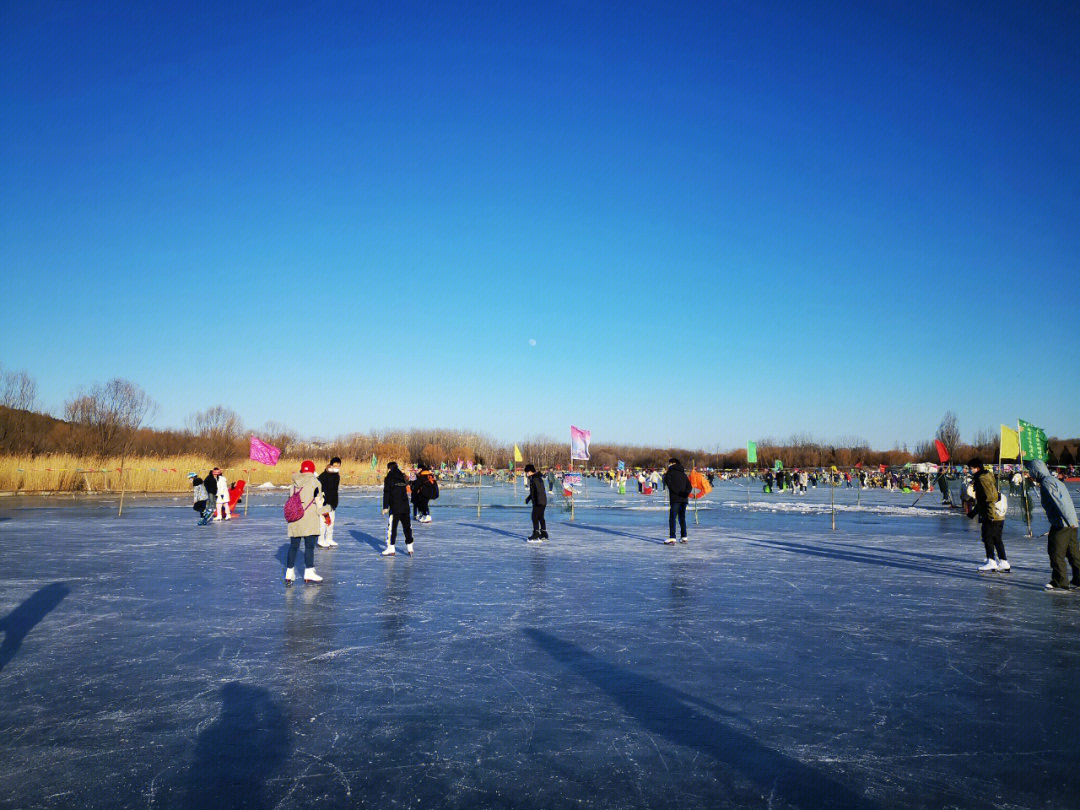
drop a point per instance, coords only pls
(532, 342)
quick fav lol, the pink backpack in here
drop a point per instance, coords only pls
(294, 507)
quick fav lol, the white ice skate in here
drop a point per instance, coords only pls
(670, 541)
(1004, 567)
(290, 576)
(331, 543)
(325, 544)
(989, 565)
(408, 549)
(311, 576)
(388, 551)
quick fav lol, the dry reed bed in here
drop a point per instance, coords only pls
(67, 473)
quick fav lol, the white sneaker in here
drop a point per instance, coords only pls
(670, 541)
(311, 576)
(1004, 566)
(388, 551)
(989, 565)
(408, 549)
(290, 576)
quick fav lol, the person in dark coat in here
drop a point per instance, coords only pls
(395, 503)
(538, 499)
(423, 490)
(678, 487)
(329, 481)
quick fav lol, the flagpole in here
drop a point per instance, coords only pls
(1023, 486)
(247, 495)
(832, 498)
(479, 485)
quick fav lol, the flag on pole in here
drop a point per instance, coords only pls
(622, 465)
(1010, 443)
(778, 465)
(579, 444)
(374, 462)
(1033, 442)
(517, 454)
(263, 453)
(942, 451)
(751, 452)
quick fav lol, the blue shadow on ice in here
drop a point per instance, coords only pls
(23, 618)
(617, 533)
(493, 530)
(682, 719)
(370, 539)
(239, 752)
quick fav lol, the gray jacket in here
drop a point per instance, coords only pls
(1056, 499)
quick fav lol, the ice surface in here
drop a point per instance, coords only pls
(771, 662)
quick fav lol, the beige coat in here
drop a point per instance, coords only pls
(307, 485)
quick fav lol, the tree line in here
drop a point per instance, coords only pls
(111, 419)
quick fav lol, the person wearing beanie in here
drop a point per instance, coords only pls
(538, 498)
(678, 487)
(329, 480)
(307, 527)
(395, 503)
(986, 496)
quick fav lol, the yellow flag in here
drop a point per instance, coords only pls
(1010, 443)
(517, 454)
(834, 468)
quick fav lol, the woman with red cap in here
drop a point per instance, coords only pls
(307, 527)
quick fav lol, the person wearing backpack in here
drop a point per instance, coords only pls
(425, 489)
(986, 496)
(678, 487)
(307, 497)
(395, 503)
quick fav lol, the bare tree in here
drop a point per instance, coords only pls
(220, 430)
(109, 414)
(18, 390)
(948, 432)
(281, 436)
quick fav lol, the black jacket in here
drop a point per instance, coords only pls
(424, 488)
(537, 492)
(210, 482)
(329, 482)
(395, 493)
(678, 485)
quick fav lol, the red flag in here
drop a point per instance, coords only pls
(858, 466)
(882, 467)
(942, 453)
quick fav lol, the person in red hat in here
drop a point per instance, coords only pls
(307, 527)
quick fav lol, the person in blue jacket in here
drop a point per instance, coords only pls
(1057, 502)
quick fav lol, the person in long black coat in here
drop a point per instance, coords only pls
(538, 499)
(395, 503)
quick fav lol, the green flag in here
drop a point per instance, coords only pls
(374, 462)
(751, 453)
(779, 465)
(1032, 442)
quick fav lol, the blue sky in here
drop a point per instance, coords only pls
(717, 221)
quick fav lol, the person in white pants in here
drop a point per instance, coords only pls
(329, 480)
(221, 507)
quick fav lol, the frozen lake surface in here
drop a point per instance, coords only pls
(148, 662)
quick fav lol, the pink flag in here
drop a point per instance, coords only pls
(579, 443)
(263, 452)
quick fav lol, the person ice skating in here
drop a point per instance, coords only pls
(329, 481)
(1062, 545)
(678, 487)
(200, 497)
(538, 498)
(395, 503)
(986, 496)
(217, 493)
(307, 527)
(424, 490)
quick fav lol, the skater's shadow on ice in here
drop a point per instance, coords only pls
(239, 752)
(866, 557)
(23, 618)
(688, 721)
(617, 533)
(371, 540)
(493, 530)
(282, 554)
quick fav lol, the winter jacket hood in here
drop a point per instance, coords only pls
(677, 483)
(1055, 496)
(395, 492)
(986, 495)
